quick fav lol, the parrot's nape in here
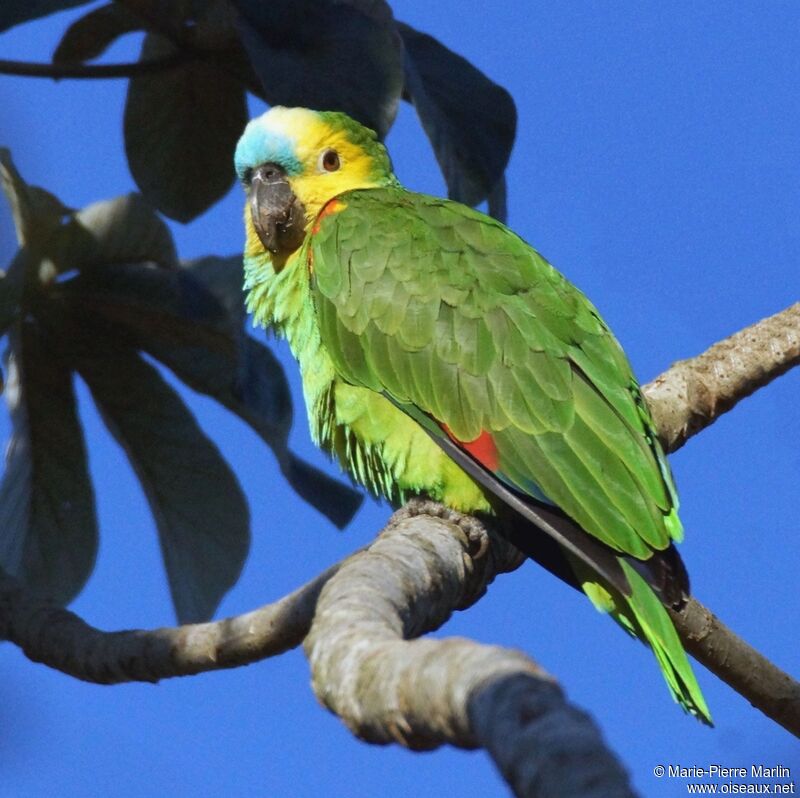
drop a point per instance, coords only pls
(442, 356)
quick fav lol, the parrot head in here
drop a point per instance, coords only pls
(292, 161)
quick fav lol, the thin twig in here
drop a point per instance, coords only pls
(33, 69)
(227, 61)
(747, 671)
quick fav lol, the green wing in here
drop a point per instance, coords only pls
(445, 309)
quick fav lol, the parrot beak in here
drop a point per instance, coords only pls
(278, 216)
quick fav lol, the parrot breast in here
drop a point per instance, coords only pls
(376, 442)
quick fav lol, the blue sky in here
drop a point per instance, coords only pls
(657, 165)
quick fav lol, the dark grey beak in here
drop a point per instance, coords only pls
(278, 216)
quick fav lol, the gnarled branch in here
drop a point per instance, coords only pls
(412, 692)
(422, 693)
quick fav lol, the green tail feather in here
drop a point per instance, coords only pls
(642, 615)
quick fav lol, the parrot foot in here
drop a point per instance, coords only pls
(475, 531)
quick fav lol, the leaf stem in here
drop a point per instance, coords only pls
(34, 69)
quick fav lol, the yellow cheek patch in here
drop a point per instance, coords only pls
(315, 187)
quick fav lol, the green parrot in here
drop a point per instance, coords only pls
(442, 356)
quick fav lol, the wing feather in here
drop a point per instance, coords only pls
(448, 311)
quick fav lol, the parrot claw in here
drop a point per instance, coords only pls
(476, 533)
(478, 537)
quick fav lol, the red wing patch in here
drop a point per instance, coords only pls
(482, 448)
(331, 206)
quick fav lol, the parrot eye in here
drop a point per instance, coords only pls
(329, 160)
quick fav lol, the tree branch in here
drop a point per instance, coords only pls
(60, 639)
(750, 673)
(423, 693)
(426, 692)
(693, 393)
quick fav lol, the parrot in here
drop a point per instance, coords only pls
(441, 356)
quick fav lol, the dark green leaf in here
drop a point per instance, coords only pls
(256, 400)
(496, 200)
(470, 120)
(48, 528)
(11, 287)
(259, 395)
(174, 17)
(14, 12)
(181, 128)
(329, 55)
(16, 191)
(191, 320)
(171, 306)
(199, 508)
(90, 36)
(124, 230)
(223, 278)
(36, 212)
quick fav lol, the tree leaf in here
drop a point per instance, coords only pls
(181, 128)
(260, 395)
(200, 511)
(123, 230)
(470, 120)
(256, 400)
(191, 320)
(498, 207)
(172, 306)
(15, 12)
(330, 55)
(223, 278)
(11, 287)
(91, 35)
(16, 191)
(36, 212)
(174, 18)
(48, 527)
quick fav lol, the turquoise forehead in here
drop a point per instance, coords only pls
(259, 144)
